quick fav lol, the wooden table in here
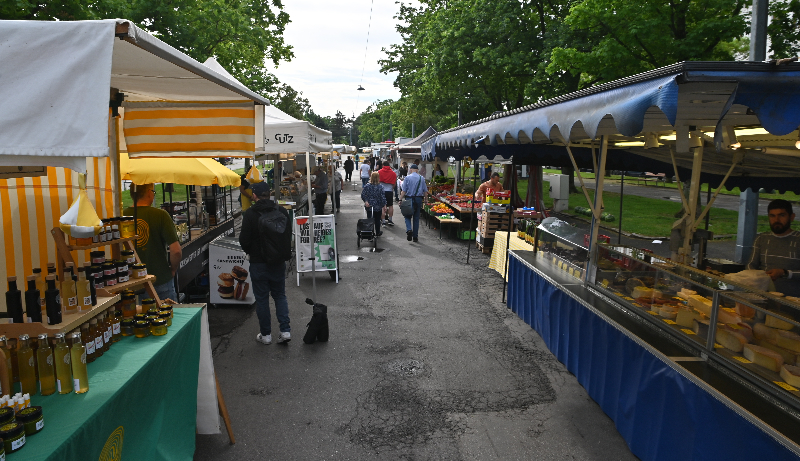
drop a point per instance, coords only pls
(445, 221)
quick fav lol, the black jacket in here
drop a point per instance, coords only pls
(248, 237)
(348, 165)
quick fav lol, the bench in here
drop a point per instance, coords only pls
(651, 178)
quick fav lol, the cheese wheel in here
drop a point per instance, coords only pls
(686, 317)
(643, 292)
(764, 357)
(788, 356)
(744, 310)
(700, 328)
(791, 374)
(740, 328)
(775, 322)
(667, 312)
(788, 340)
(761, 331)
(731, 340)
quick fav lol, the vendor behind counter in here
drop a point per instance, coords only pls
(778, 252)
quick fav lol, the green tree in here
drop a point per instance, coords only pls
(784, 28)
(643, 35)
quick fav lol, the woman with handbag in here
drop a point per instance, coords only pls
(374, 201)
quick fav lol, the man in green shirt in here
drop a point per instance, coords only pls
(156, 232)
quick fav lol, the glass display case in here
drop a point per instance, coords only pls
(755, 334)
(292, 190)
(557, 241)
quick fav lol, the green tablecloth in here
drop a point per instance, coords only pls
(142, 398)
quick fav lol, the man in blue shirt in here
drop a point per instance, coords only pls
(415, 188)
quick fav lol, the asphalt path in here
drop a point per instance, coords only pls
(424, 362)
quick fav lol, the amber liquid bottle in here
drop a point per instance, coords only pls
(40, 285)
(9, 366)
(84, 291)
(97, 334)
(47, 377)
(69, 291)
(80, 375)
(89, 339)
(109, 330)
(62, 357)
(27, 370)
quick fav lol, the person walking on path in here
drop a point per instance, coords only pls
(415, 188)
(388, 179)
(320, 185)
(348, 169)
(374, 201)
(335, 189)
(365, 172)
(403, 171)
(266, 237)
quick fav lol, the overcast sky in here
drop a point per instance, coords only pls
(329, 40)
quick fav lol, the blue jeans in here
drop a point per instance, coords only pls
(364, 181)
(417, 202)
(167, 290)
(270, 279)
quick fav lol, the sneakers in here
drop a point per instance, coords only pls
(284, 337)
(264, 339)
(389, 222)
(409, 235)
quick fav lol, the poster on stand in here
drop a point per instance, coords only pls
(229, 273)
(324, 249)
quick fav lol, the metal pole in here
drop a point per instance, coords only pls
(312, 235)
(472, 214)
(708, 200)
(758, 31)
(510, 221)
(621, 196)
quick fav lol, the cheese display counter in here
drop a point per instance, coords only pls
(754, 335)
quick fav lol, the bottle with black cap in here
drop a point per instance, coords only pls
(14, 301)
(53, 301)
(32, 307)
(90, 276)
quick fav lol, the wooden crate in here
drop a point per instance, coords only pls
(483, 249)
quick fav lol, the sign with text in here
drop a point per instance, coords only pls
(324, 247)
(229, 273)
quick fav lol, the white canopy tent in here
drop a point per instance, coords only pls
(284, 134)
(56, 82)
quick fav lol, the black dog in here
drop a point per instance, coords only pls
(317, 328)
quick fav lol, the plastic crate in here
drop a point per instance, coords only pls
(464, 234)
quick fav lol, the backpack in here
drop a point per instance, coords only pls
(275, 235)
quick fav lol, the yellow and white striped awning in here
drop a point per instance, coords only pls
(189, 129)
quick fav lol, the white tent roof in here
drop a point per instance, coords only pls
(284, 134)
(56, 81)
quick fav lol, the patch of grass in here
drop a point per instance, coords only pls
(178, 196)
(649, 216)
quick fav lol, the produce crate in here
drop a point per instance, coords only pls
(464, 234)
(483, 240)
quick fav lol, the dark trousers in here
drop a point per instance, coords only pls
(319, 203)
(336, 203)
(375, 214)
(348, 175)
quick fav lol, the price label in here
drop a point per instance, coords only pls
(729, 309)
(669, 322)
(627, 298)
(636, 304)
(605, 283)
(717, 346)
(786, 386)
(652, 313)
(87, 300)
(742, 359)
(688, 331)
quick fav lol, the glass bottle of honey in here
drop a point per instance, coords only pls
(47, 377)
(9, 366)
(108, 331)
(62, 358)
(89, 342)
(97, 334)
(116, 323)
(11, 351)
(80, 375)
(84, 291)
(69, 292)
(27, 370)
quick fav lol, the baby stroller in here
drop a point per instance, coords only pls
(366, 231)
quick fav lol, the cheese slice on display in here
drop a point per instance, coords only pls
(788, 356)
(701, 303)
(686, 317)
(761, 331)
(775, 322)
(791, 374)
(740, 328)
(642, 292)
(668, 312)
(685, 294)
(764, 357)
(730, 340)
(788, 340)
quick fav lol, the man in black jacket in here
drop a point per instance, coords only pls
(267, 272)
(349, 166)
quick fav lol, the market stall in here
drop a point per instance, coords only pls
(631, 324)
(64, 176)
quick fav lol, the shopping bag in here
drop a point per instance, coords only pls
(407, 208)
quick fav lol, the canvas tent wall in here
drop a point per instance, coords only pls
(56, 118)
